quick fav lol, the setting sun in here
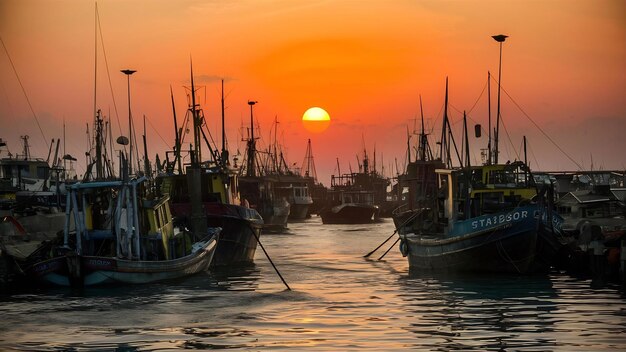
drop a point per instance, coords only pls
(316, 120)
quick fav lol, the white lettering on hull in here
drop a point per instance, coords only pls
(500, 219)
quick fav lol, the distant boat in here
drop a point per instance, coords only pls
(295, 190)
(356, 208)
(355, 198)
(347, 204)
(259, 188)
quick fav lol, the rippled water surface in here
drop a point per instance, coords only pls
(339, 301)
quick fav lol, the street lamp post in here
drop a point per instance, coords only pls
(128, 72)
(500, 39)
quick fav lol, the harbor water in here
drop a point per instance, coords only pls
(339, 301)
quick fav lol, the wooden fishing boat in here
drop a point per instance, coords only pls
(121, 237)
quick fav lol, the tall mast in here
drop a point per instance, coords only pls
(309, 163)
(128, 72)
(466, 147)
(98, 135)
(423, 142)
(177, 145)
(224, 152)
(146, 160)
(250, 170)
(197, 157)
(500, 39)
(444, 147)
(489, 156)
(95, 67)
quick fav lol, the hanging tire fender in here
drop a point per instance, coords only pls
(404, 247)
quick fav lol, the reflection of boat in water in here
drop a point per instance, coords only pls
(442, 310)
(481, 218)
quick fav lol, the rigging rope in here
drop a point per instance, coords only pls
(542, 131)
(106, 64)
(25, 95)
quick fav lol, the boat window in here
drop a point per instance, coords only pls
(565, 210)
(476, 178)
(42, 172)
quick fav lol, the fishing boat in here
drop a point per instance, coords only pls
(355, 197)
(348, 204)
(294, 188)
(214, 183)
(594, 227)
(120, 237)
(356, 207)
(259, 189)
(487, 218)
(287, 183)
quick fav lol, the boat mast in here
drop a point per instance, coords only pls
(177, 136)
(444, 147)
(250, 170)
(224, 157)
(500, 39)
(194, 172)
(309, 163)
(197, 151)
(146, 160)
(128, 72)
(489, 112)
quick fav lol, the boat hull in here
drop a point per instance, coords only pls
(509, 242)
(298, 211)
(512, 251)
(349, 214)
(74, 270)
(238, 243)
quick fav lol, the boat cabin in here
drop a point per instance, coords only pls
(215, 187)
(470, 192)
(599, 206)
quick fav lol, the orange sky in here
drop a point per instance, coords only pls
(365, 62)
